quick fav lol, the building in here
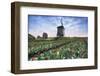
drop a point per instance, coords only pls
(60, 30)
(45, 35)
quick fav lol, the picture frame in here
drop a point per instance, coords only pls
(20, 12)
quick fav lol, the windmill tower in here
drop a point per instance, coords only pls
(60, 29)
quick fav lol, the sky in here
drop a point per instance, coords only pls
(74, 26)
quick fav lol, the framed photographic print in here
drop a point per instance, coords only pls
(52, 37)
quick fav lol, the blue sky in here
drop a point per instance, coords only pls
(74, 26)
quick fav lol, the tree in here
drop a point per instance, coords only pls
(30, 37)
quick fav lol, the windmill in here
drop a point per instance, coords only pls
(60, 29)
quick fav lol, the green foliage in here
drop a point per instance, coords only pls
(73, 48)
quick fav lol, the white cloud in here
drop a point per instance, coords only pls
(73, 26)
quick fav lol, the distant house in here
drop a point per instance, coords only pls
(60, 30)
(45, 35)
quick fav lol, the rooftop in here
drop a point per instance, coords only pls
(60, 27)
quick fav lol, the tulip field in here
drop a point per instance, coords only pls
(65, 48)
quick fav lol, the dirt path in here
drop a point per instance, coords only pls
(46, 49)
